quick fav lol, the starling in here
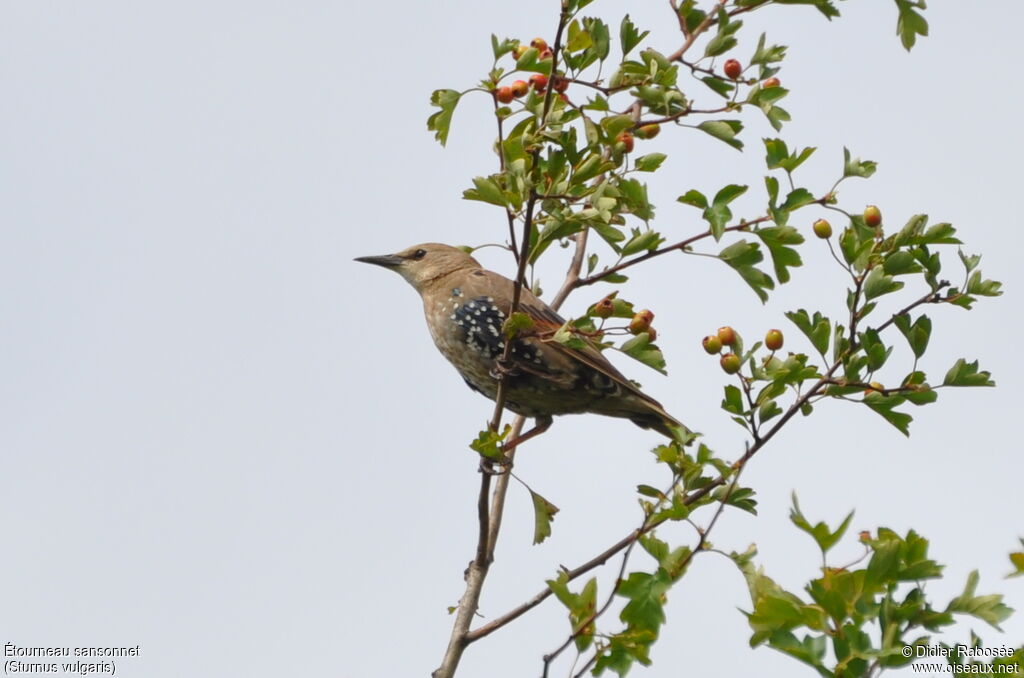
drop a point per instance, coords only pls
(466, 307)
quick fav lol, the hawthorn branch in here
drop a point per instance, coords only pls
(490, 509)
(681, 245)
(635, 534)
(701, 27)
(647, 526)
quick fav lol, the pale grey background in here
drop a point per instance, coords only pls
(227, 442)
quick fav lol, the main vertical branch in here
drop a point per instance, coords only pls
(490, 520)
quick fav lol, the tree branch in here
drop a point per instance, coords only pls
(683, 244)
(490, 520)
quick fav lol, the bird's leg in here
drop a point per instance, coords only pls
(540, 424)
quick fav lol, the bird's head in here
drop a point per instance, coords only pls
(423, 264)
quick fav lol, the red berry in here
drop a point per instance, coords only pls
(773, 340)
(539, 82)
(539, 43)
(519, 51)
(546, 54)
(626, 139)
(872, 216)
(652, 334)
(733, 69)
(641, 322)
(504, 95)
(604, 308)
(822, 229)
(730, 362)
(560, 83)
(712, 344)
(771, 82)
(519, 88)
(727, 335)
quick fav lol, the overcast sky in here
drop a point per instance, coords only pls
(228, 443)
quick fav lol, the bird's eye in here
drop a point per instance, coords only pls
(419, 254)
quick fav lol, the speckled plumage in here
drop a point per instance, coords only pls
(466, 306)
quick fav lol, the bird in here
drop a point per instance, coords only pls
(466, 307)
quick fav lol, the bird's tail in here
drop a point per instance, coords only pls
(650, 414)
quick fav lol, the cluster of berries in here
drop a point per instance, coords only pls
(726, 336)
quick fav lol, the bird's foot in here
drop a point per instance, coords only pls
(503, 369)
(495, 467)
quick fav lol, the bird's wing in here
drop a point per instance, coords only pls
(547, 321)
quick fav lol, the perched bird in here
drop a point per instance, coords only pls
(466, 307)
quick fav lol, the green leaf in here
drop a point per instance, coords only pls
(910, 23)
(725, 130)
(718, 213)
(729, 193)
(883, 407)
(878, 283)
(874, 350)
(855, 167)
(718, 85)
(614, 124)
(694, 198)
(964, 373)
(778, 156)
(777, 239)
(487, 441)
(900, 262)
(743, 256)
(642, 241)
(440, 122)
(640, 348)
(818, 329)
(820, 532)
(1017, 560)
(516, 323)
(971, 261)
(733, 401)
(634, 196)
(581, 607)
(579, 39)
(650, 162)
(776, 153)
(645, 610)
(981, 287)
(503, 47)
(917, 334)
(543, 513)
(989, 608)
(797, 198)
(767, 55)
(487, 190)
(629, 36)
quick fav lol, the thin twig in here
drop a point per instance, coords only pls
(683, 244)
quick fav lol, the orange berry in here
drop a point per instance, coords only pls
(733, 69)
(872, 216)
(712, 344)
(730, 363)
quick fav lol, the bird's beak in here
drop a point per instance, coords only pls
(385, 260)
